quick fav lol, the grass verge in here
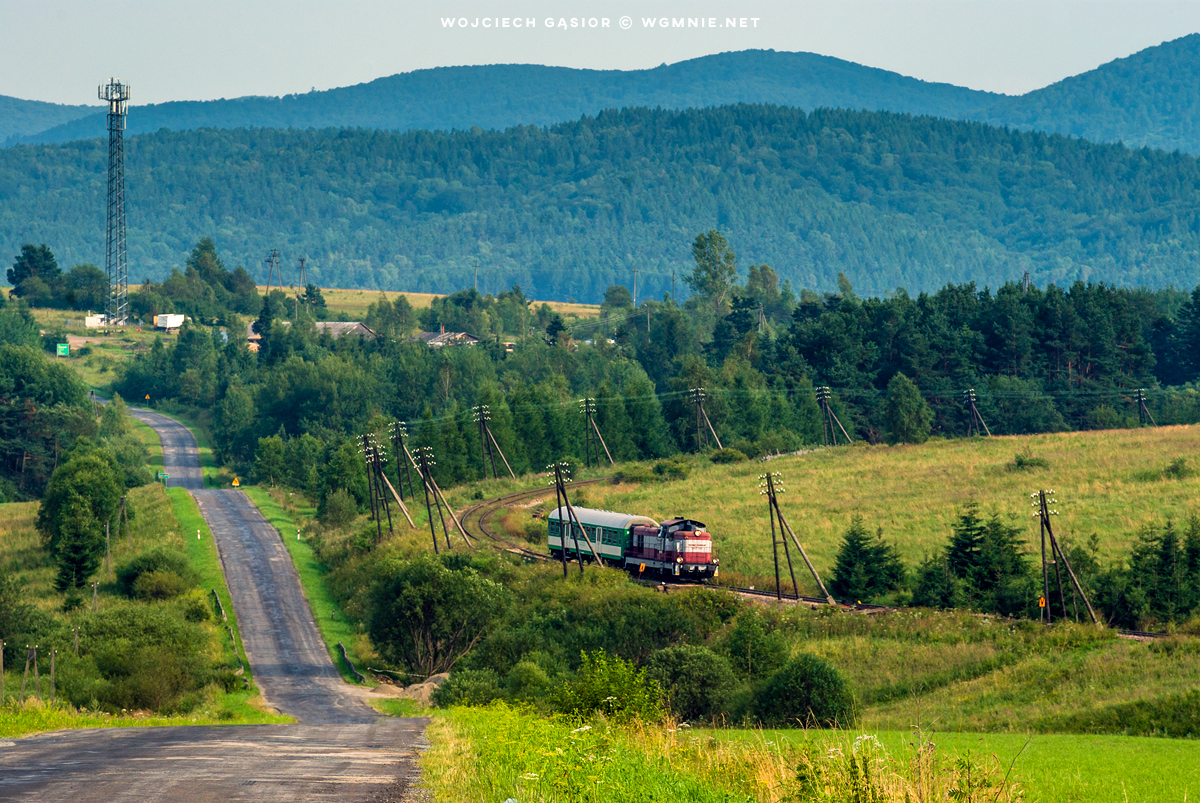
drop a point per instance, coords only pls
(37, 716)
(331, 621)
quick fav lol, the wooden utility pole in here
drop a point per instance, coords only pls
(769, 484)
(482, 415)
(592, 439)
(562, 475)
(702, 432)
(975, 423)
(424, 455)
(830, 425)
(399, 430)
(1143, 411)
(767, 488)
(1043, 501)
(365, 451)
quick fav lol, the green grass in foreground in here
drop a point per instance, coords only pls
(35, 716)
(1060, 767)
(496, 753)
(331, 621)
(202, 552)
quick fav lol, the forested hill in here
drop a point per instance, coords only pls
(22, 118)
(504, 95)
(1151, 98)
(887, 199)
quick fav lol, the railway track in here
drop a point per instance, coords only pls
(475, 518)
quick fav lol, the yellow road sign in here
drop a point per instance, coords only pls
(235, 482)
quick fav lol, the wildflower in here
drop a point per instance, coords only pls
(529, 776)
(583, 729)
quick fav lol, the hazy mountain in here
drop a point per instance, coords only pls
(503, 95)
(21, 118)
(1151, 98)
(890, 200)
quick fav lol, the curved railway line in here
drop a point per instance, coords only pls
(475, 519)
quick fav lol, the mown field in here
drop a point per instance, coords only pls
(1109, 484)
(353, 304)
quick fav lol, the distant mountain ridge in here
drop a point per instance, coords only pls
(23, 118)
(890, 200)
(500, 96)
(1151, 98)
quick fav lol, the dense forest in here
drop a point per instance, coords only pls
(1148, 99)
(889, 200)
(499, 96)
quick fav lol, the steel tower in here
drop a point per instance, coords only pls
(117, 95)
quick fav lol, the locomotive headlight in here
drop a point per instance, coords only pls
(679, 560)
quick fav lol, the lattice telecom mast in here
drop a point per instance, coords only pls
(117, 309)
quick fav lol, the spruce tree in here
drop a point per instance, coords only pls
(867, 566)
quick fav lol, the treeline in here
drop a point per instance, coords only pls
(47, 419)
(888, 199)
(1040, 360)
(985, 565)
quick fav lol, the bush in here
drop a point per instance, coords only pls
(613, 687)
(1024, 461)
(805, 691)
(696, 680)
(754, 651)
(158, 560)
(159, 585)
(426, 615)
(728, 455)
(528, 681)
(634, 474)
(673, 469)
(468, 687)
(340, 509)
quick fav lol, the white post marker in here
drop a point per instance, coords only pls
(297, 535)
(197, 535)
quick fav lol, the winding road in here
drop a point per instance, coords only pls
(340, 750)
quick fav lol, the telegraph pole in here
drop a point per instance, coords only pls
(372, 487)
(697, 395)
(272, 263)
(1043, 500)
(1143, 411)
(425, 458)
(398, 430)
(767, 488)
(593, 440)
(976, 422)
(491, 447)
(829, 419)
(562, 475)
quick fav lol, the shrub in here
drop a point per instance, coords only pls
(426, 615)
(468, 687)
(528, 681)
(1024, 461)
(608, 685)
(634, 474)
(696, 680)
(159, 585)
(340, 509)
(673, 469)
(753, 651)
(804, 691)
(1178, 469)
(728, 455)
(159, 560)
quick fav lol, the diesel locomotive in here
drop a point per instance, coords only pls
(678, 548)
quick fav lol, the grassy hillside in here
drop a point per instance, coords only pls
(889, 200)
(1109, 484)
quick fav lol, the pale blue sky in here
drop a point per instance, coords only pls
(57, 50)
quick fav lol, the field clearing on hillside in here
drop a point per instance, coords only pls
(346, 304)
(1109, 483)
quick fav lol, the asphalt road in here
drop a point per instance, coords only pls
(341, 750)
